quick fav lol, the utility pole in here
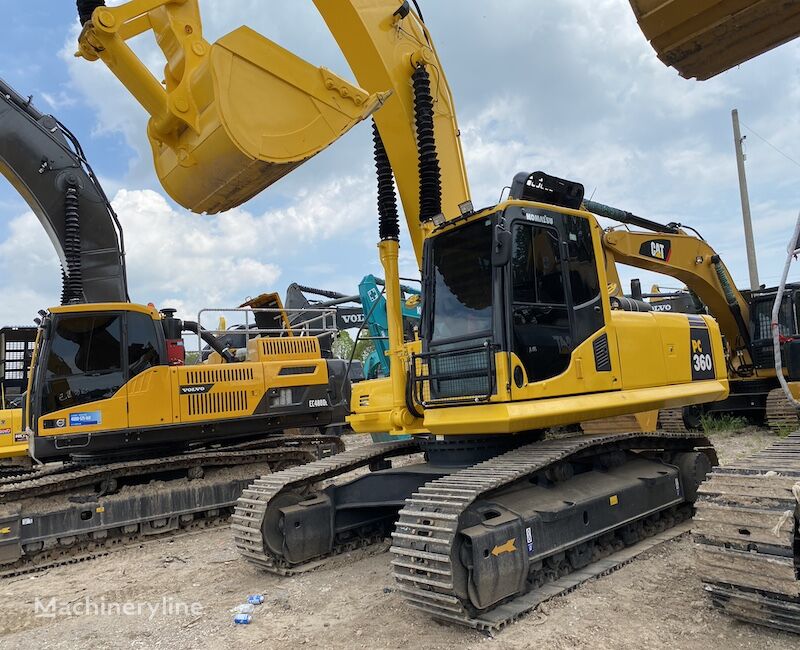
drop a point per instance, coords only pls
(752, 264)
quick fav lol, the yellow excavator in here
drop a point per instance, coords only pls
(747, 528)
(110, 398)
(519, 331)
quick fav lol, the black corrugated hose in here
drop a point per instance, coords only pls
(73, 285)
(388, 221)
(430, 176)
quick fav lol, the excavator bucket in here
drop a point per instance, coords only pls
(271, 111)
(702, 38)
(229, 118)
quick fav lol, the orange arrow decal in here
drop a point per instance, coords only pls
(508, 547)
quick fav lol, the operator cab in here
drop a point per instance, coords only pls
(537, 261)
(761, 303)
(89, 353)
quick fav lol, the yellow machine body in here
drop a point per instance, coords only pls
(13, 440)
(702, 38)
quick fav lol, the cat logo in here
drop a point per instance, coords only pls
(657, 249)
(509, 547)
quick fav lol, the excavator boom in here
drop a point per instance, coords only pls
(43, 161)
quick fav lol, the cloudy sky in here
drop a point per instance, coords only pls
(566, 86)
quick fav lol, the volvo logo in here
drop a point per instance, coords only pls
(196, 390)
(353, 318)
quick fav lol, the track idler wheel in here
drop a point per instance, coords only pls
(694, 467)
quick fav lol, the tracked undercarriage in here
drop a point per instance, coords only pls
(483, 542)
(747, 539)
(66, 513)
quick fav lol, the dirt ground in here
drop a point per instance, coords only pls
(179, 593)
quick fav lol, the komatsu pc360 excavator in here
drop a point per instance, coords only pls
(748, 521)
(518, 330)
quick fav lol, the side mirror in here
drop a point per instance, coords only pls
(501, 249)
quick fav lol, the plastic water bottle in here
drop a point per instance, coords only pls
(246, 608)
(242, 619)
(255, 599)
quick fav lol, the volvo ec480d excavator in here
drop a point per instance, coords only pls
(748, 521)
(518, 330)
(109, 386)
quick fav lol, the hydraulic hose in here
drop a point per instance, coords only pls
(430, 176)
(733, 304)
(388, 220)
(73, 287)
(86, 7)
(212, 341)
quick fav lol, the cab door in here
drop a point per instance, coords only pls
(540, 320)
(150, 392)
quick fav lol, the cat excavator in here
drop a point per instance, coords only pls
(744, 317)
(747, 527)
(518, 330)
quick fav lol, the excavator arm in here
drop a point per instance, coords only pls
(233, 117)
(670, 250)
(44, 162)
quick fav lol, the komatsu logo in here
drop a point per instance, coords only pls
(317, 403)
(540, 218)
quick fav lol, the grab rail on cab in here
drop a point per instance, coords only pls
(231, 118)
(702, 38)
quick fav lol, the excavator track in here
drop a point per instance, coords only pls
(45, 523)
(781, 415)
(251, 509)
(277, 451)
(425, 541)
(428, 525)
(746, 537)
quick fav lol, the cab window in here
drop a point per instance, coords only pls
(84, 362)
(143, 344)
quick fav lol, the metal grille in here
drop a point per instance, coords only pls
(222, 402)
(297, 347)
(219, 375)
(454, 376)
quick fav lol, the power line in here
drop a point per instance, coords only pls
(785, 155)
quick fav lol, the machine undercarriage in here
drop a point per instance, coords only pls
(470, 538)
